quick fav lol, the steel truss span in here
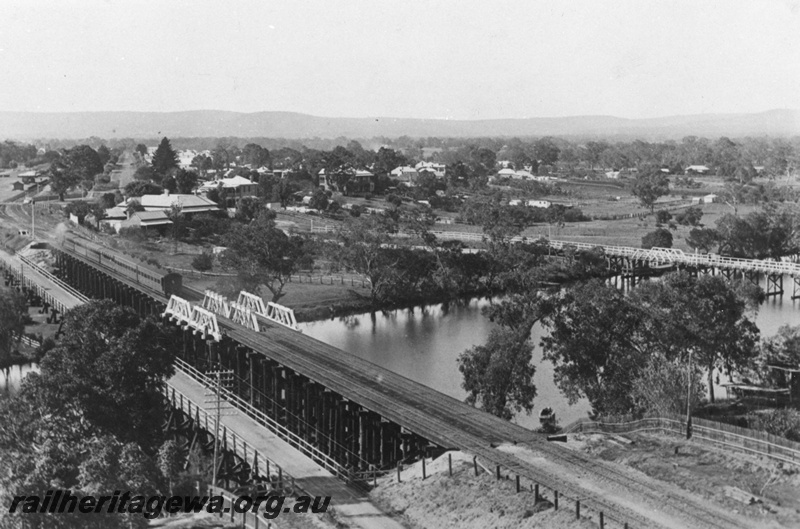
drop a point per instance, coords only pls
(358, 418)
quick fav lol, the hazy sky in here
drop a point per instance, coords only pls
(446, 59)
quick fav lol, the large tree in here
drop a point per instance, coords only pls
(498, 376)
(13, 312)
(76, 166)
(165, 158)
(649, 186)
(263, 255)
(111, 364)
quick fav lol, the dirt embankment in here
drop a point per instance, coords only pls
(725, 477)
(466, 501)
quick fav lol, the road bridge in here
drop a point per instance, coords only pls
(360, 418)
(634, 263)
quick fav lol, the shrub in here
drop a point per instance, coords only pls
(663, 216)
(203, 262)
(784, 423)
(659, 238)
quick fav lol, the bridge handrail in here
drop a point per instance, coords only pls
(54, 279)
(268, 422)
(672, 255)
(192, 409)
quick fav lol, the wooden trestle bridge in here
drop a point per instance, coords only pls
(635, 263)
(356, 418)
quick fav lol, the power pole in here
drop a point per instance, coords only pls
(221, 380)
(689, 400)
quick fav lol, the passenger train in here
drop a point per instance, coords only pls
(166, 283)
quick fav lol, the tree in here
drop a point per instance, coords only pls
(79, 208)
(247, 208)
(145, 173)
(108, 200)
(141, 149)
(690, 216)
(103, 154)
(498, 376)
(649, 187)
(319, 200)
(175, 214)
(546, 151)
(595, 345)
(256, 155)
(703, 239)
(264, 255)
(77, 165)
(658, 238)
(362, 243)
(98, 211)
(186, 181)
(699, 320)
(663, 216)
(111, 364)
(138, 188)
(13, 312)
(660, 387)
(165, 158)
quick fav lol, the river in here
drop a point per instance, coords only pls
(423, 344)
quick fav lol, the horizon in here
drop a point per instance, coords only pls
(195, 110)
(416, 60)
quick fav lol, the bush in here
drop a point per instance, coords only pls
(659, 238)
(663, 216)
(203, 262)
(784, 423)
(690, 217)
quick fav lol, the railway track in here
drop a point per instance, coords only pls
(622, 496)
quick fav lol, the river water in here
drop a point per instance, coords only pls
(10, 383)
(423, 344)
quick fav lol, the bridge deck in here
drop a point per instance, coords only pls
(45, 285)
(351, 505)
(453, 424)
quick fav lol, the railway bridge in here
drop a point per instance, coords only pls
(356, 418)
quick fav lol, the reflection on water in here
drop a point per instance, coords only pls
(423, 344)
(11, 379)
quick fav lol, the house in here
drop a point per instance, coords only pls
(5, 174)
(18, 186)
(538, 203)
(236, 187)
(355, 181)
(707, 199)
(439, 170)
(697, 169)
(189, 204)
(614, 175)
(147, 219)
(28, 177)
(407, 175)
(506, 173)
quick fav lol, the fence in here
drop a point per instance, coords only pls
(269, 423)
(330, 280)
(558, 497)
(723, 434)
(197, 273)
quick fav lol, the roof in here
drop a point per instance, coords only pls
(506, 171)
(151, 218)
(27, 174)
(116, 213)
(189, 203)
(697, 167)
(233, 182)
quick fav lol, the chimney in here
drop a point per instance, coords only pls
(166, 192)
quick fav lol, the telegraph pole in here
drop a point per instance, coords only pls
(689, 400)
(224, 379)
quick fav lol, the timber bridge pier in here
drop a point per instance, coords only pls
(350, 416)
(633, 264)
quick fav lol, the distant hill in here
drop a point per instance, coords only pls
(215, 123)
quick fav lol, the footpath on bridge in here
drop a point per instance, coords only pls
(44, 284)
(352, 506)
